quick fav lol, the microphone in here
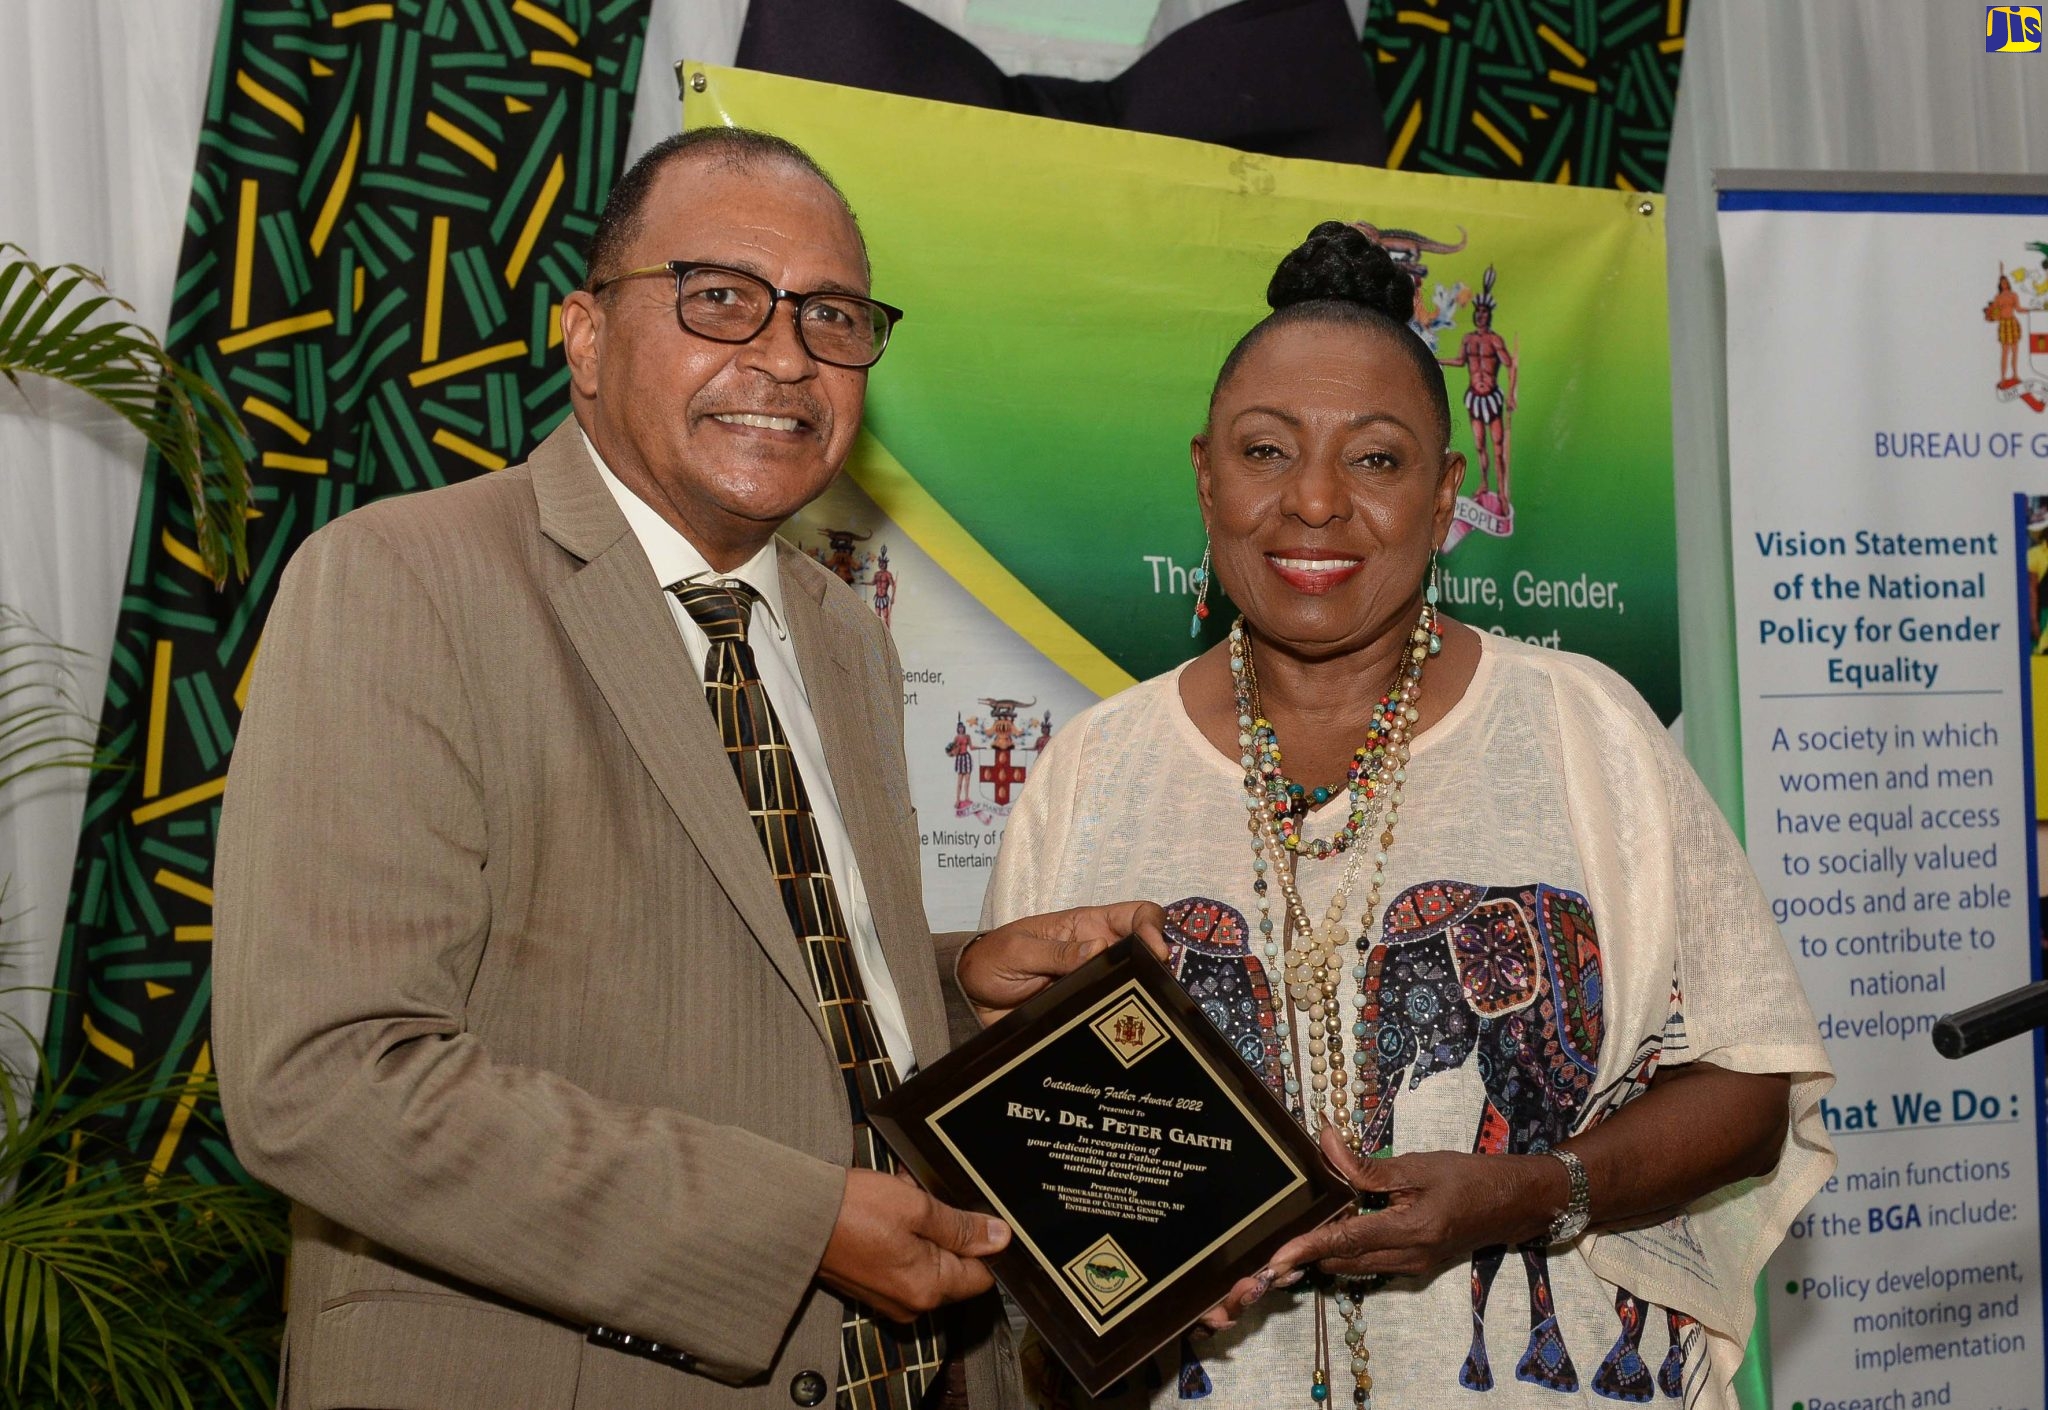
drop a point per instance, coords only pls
(1993, 1021)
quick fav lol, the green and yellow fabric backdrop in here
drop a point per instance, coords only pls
(387, 208)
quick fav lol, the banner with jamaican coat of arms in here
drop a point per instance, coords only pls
(1020, 507)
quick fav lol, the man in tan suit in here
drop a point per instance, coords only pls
(510, 1000)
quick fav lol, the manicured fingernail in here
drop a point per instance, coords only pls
(1260, 1284)
(1292, 1278)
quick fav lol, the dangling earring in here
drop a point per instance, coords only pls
(1199, 580)
(1429, 599)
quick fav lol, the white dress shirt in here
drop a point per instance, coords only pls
(676, 559)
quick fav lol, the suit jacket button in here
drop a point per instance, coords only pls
(807, 1388)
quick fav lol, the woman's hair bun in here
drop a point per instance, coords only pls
(1340, 262)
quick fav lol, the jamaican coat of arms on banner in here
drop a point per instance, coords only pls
(1491, 363)
(2016, 311)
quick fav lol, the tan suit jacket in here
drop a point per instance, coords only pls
(506, 999)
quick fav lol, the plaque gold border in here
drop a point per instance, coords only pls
(1158, 1284)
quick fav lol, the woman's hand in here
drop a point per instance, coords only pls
(1697, 1128)
(1011, 963)
(1441, 1205)
(1223, 1316)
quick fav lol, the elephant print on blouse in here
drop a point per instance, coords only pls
(1508, 975)
(1212, 958)
(1511, 975)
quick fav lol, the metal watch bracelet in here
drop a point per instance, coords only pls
(1578, 1211)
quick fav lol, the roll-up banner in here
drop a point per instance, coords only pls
(1020, 509)
(1888, 460)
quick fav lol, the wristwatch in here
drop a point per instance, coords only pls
(1578, 1212)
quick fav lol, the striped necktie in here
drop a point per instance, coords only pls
(883, 1365)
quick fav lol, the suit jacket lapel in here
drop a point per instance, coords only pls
(614, 614)
(848, 730)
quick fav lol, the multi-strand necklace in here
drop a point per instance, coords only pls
(1278, 809)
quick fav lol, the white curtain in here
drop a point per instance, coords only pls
(100, 106)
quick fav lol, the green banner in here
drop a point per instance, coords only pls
(1071, 292)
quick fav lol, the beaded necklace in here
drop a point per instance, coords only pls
(1277, 807)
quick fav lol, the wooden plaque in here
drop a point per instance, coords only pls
(1142, 1167)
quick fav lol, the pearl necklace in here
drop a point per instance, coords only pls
(1312, 976)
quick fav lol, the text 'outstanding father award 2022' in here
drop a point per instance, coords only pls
(1141, 1166)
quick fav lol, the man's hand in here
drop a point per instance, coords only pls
(1013, 962)
(901, 1252)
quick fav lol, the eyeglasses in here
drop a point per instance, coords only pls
(730, 306)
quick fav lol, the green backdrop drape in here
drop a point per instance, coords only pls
(387, 207)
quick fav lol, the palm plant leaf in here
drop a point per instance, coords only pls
(61, 322)
(42, 724)
(107, 1271)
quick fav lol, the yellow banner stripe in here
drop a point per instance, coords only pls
(242, 686)
(193, 932)
(1427, 21)
(276, 416)
(1557, 41)
(342, 19)
(337, 194)
(466, 141)
(303, 464)
(1410, 125)
(179, 550)
(525, 9)
(183, 886)
(884, 480)
(1573, 80)
(1623, 182)
(1674, 16)
(159, 714)
(468, 362)
(468, 450)
(513, 105)
(549, 59)
(355, 302)
(245, 257)
(187, 1100)
(554, 325)
(535, 218)
(270, 100)
(119, 1052)
(437, 286)
(1496, 136)
(156, 990)
(283, 328)
(198, 793)
(318, 69)
(1671, 46)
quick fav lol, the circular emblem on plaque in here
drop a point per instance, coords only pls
(1105, 1275)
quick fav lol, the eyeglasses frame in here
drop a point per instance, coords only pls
(680, 268)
